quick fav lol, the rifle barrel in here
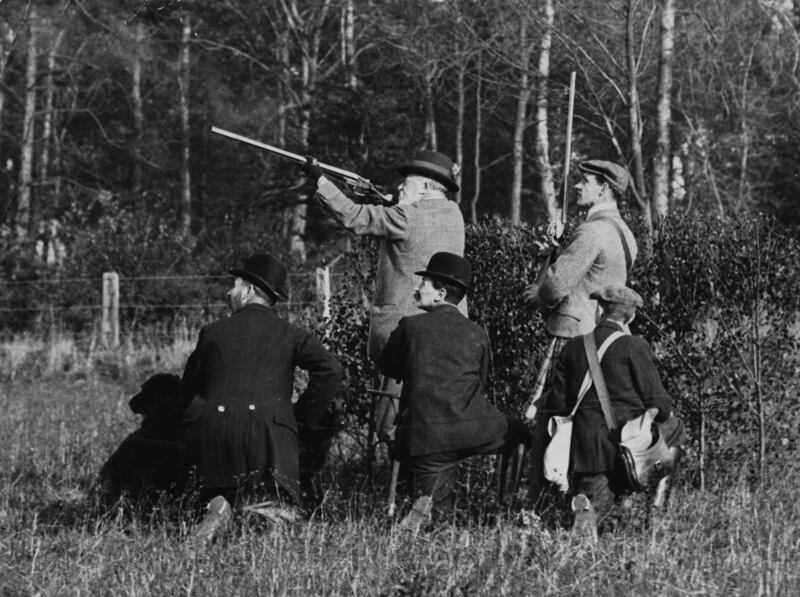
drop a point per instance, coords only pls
(568, 148)
(288, 154)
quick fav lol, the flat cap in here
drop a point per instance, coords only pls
(618, 294)
(614, 174)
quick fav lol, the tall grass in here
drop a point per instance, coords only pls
(57, 432)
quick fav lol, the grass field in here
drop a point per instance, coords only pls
(56, 433)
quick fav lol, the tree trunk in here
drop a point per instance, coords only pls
(663, 112)
(47, 116)
(473, 204)
(524, 90)
(634, 113)
(183, 88)
(24, 223)
(138, 107)
(349, 44)
(461, 115)
(545, 171)
(430, 115)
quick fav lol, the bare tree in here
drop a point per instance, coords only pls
(661, 159)
(25, 187)
(524, 93)
(184, 72)
(138, 104)
(543, 167)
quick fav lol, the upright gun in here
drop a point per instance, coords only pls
(360, 186)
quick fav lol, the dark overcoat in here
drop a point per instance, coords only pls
(245, 428)
(442, 359)
(633, 386)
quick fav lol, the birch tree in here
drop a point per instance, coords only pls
(184, 72)
(25, 185)
(661, 160)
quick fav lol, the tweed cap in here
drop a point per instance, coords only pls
(614, 174)
(618, 294)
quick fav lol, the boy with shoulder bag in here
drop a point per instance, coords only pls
(624, 376)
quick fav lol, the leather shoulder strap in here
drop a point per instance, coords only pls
(587, 379)
(625, 248)
(599, 380)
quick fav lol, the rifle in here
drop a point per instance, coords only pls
(360, 186)
(551, 254)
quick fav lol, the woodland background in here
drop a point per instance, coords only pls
(107, 163)
(106, 109)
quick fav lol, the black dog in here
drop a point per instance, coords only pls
(150, 460)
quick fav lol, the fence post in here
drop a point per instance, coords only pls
(110, 328)
(324, 290)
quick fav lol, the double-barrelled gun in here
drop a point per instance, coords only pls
(359, 185)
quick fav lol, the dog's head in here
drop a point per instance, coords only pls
(160, 397)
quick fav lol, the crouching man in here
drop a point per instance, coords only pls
(633, 384)
(242, 428)
(442, 359)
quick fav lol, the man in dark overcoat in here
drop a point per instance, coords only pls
(634, 385)
(422, 222)
(242, 427)
(443, 361)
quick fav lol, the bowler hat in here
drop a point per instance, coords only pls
(266, 273)
(448, 267)
(614, 174)
(434, 165)
(618, 294)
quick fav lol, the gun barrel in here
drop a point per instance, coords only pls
(288, 154)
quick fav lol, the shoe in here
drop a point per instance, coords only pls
(420, 514)
(218, 515)
(585, 523)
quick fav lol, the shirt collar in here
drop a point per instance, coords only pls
(601, 207)
(622, 327)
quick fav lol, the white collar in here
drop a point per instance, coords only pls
(601, 207)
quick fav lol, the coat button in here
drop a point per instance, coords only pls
(252, 407)
(221, 408)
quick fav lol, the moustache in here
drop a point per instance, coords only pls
(417, 295)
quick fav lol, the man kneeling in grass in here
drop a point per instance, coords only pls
(442, 359)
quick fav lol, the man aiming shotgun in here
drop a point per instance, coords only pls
(422, 221)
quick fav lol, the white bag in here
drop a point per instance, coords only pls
(556, 456)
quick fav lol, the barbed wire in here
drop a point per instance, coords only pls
(147, 306)
(122, 278)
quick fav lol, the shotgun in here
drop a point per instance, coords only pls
(360, 186)
(551, 254)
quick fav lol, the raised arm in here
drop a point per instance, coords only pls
(373, 220)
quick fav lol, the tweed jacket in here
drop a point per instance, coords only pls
(595, 258)
(410, 234)
(442, 359)
(633, 386)
(246, 425)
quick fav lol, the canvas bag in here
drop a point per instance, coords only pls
(643, 457)
(556, 456)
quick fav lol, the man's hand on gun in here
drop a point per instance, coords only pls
(312, 169)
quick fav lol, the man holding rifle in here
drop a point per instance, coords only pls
(422, 222)
(600, 254)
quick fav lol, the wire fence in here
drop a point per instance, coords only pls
(155, 306)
